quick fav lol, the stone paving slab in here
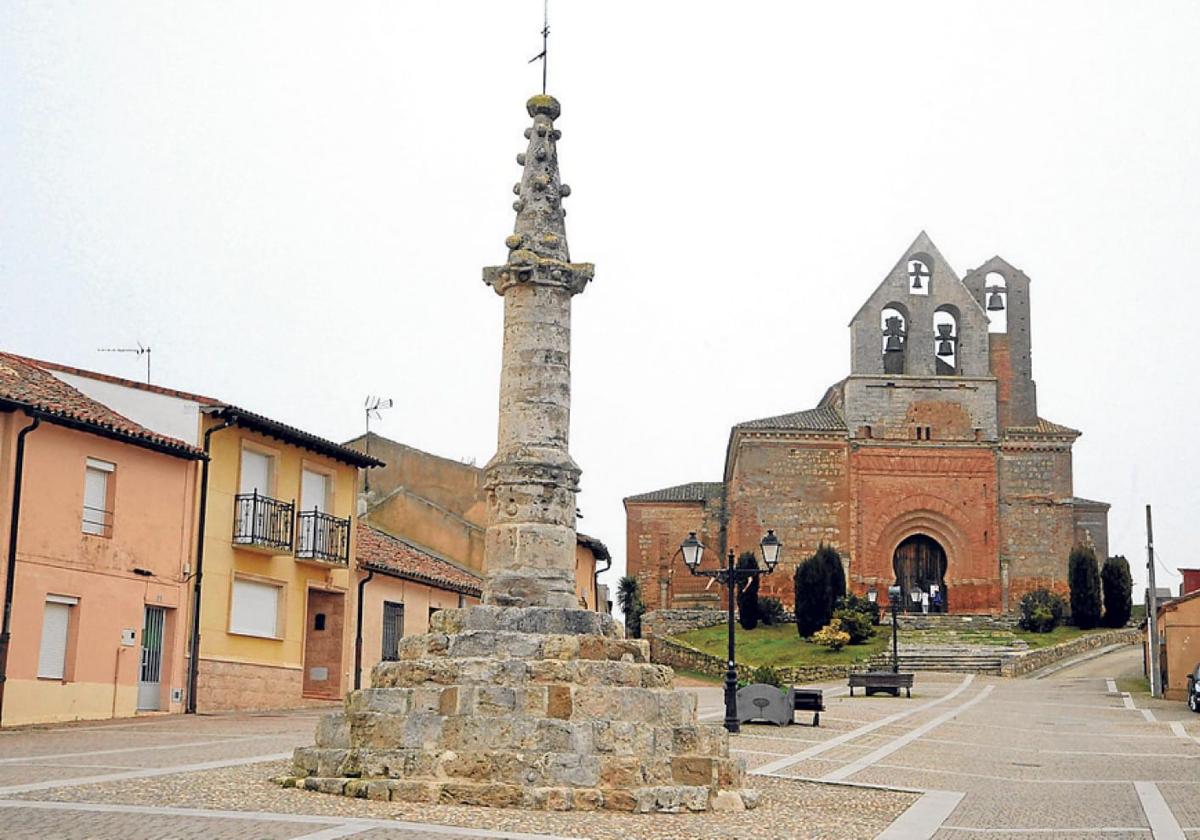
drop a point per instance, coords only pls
(37, 824)
(1183, 798)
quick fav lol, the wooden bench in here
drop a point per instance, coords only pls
(809, 700)
(881, 681)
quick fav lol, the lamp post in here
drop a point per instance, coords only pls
(894, 603)
(692, 551)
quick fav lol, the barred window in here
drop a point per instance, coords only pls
(393, 629)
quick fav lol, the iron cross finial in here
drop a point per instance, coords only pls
(545, 42)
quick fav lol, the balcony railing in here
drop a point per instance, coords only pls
(323, 537)
(262, 521)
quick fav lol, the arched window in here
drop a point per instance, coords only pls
(920, 274)
(995, 293)
(893, 322)
(945, 341)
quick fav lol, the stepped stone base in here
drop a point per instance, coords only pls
(524, 707)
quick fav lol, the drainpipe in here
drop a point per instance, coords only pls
(11, 572)
(194, 659)
(596, 584)
(362, 584)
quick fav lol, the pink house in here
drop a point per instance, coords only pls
(96, 526)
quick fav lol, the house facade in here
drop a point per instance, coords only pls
(98, 551)
(1179, 640)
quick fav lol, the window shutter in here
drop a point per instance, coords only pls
(255, 609)
(95, 500)
(52, 657)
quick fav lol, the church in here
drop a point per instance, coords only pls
(928, 466)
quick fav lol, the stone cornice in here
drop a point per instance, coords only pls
(530, 270)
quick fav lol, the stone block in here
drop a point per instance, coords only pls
(622, 771)
(409, 791)
(728, 800)
(304, 761)
(587, 799)
(559, 702)
(333, 731)
(693, 770)
(487, 795)
(563, 647)
(379, 789)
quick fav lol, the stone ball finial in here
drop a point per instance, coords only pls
(543, 104)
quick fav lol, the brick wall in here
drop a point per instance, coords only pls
(653, 532)
(948, 494)
(799, 488)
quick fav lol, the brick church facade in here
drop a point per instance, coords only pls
(928, 465)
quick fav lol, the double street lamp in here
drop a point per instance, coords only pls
(692, 550)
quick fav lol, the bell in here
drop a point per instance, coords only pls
(893, 344)
(945, 347)
(916, 280)
(995, 302)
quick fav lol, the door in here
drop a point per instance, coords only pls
(920, 565)
(323, 644)
(150, 680)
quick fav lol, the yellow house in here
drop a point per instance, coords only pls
(272, 572)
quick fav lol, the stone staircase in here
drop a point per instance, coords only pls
(952, 622)
(980, 659)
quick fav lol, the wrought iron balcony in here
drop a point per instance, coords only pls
(323, 537)
(263, 522)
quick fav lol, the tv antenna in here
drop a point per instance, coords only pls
(137, 351)
(372, 406)
(545, 43)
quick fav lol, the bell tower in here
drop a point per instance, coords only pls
(1003, 291)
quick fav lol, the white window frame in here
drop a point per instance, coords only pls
(102, 528)
(238, 625)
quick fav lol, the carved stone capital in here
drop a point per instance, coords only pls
(527, 268)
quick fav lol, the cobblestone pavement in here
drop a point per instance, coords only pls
(1065, 756)
(966, 757)
(208, 777)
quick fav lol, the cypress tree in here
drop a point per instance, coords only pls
(819, 583)
(1117, 584)
(747, 597)
(1083, 575)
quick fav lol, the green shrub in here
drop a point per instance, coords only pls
(747, 593)
(857, 624)
(1041, 611)
(1117, 584)
(770, 610)
(1083, 576)
(860, 604)
(832, 636)
(767, 675)
(819, 583)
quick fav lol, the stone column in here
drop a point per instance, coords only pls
(529, 549)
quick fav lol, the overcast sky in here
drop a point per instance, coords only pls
(291, 204)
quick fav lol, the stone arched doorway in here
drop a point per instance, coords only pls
(920, 566)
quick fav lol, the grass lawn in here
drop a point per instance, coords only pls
(1134, 685)
(781, 646)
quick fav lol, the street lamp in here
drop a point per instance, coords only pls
(693, 550)
(894, 603)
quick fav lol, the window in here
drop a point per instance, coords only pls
(56, 625)
(433, 610)
(256, 473)
(254, 610)
(920, 274)
(97, 497)
(393, 629)
(314, 491)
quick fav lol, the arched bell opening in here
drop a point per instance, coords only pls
(920, 274)
(893, 321)
(919, 563)
(945, 340)
(995, 295)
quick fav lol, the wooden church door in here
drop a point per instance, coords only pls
(920, 565)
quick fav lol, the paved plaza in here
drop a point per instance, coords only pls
(1068, 755)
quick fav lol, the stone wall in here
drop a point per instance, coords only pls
(1036, 659)
(1037, 526)
(894, 406)
(796, 486)
(239, 686)
(674, 622)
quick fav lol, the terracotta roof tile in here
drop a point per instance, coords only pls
(24, 384)
(693, 491)
(1044, 427)
(824, 419)
(393, 556)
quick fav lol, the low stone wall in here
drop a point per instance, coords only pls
(1034, 660)
(952, 621)
(664, 651)
(674, 622)
(224, 686)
